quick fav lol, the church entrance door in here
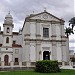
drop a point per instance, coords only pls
(6, 59)
(46, 55)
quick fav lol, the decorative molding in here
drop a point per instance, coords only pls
(46, 48)
(44, 21)
(6, 46)
(27, 35)
(45, 16)
(8, 25)
(44, 40)
(38, 35)
(7, 51)
(53, 36)
(7, 35)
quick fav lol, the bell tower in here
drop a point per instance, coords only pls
(7, 33)
(7, 50)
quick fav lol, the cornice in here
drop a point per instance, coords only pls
(27, 35)
(44, 40)
(38, 35)
(53, 36)
(45, 21)
(8, 25)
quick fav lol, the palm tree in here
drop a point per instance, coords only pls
(69, 30)
(72, 22)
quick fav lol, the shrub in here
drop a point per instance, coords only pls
(47, 66)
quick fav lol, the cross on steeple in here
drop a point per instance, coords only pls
(9, 12)
(33, 11)
(45, 9)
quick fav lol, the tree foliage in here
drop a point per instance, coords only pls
(72, 22)
(47, 66)
(70, 29)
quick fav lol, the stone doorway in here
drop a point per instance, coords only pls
(6, 60)
(46, 55)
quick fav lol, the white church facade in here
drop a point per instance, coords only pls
(42, 37)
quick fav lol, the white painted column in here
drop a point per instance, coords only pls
(38, 50)
(70, 63)
(37, 28)
(2, 60)
(2, 64)
(53, 53)
(53, 27)
(63, 63)
(42, 55)
(20, 64)
(12, 63)
(27, 54)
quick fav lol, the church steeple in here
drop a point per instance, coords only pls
(7, 32)
(8, 19)
(7, 50)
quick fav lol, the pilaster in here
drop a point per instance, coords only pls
(38, 36)
(2, 64)
(27, 51)
(53, 51)
(38, 50)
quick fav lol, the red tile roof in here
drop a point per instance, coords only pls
(13, 45)
(14, 33)
(16, 45)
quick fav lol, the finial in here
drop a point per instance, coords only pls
(9, 12)
(45, 9)
(33, 11)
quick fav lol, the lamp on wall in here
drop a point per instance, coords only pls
(39, 52)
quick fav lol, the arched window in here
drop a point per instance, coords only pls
(7, 40)
(8, 29)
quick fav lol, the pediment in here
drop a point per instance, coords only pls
(44, 16)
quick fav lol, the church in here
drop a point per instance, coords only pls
(42, 37)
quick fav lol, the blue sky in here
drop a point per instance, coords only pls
(21, 8)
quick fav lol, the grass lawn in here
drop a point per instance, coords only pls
(63, 72)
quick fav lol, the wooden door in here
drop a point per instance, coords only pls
(6, 59)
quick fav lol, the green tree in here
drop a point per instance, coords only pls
(72, 22)
(69, 29)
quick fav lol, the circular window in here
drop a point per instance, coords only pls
(45, 16)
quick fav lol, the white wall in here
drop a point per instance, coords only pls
(10, 41)
(18, 54)
(59, 52)
(5, 29)
(10, 56)
(1, 39)
(46, 47)
(32, 53)
(32, 30)
(58, 32)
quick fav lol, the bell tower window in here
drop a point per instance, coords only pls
(8, 29)
(7, 40)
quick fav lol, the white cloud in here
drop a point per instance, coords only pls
(20, 8)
